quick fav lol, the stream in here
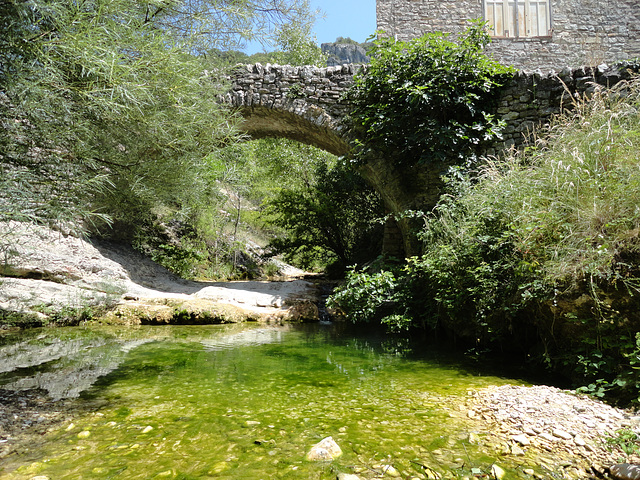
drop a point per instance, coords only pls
(243, 401)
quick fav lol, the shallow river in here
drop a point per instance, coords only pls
(242, 402)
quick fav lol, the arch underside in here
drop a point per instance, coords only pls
(261, 122)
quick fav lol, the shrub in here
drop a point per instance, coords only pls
(427, 99)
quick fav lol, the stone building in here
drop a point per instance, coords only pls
(529, 34)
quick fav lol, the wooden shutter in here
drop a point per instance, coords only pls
(518, 18)
(537, 21)
(494, 15)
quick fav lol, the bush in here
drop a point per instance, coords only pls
(330, 222)
(427, 99)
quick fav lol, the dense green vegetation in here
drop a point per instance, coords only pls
(536, 253)
(427, 100)
(297, 201)
(330, 222)
(106, 103)
(294, 42)
(110, 126)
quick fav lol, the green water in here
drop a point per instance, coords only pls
(241, 401)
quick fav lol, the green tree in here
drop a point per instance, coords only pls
(346, 40)
(328, 222)
(106, 107)
(298, 46)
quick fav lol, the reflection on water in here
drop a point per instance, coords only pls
(247, 338)
(66, 362)
(240, 401)
(64, 366)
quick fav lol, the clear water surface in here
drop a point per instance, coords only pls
(242, 402)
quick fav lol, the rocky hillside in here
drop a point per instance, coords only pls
(341, 53)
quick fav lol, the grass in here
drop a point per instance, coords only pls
(573, 196)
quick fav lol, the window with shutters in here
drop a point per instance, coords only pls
(518, 18)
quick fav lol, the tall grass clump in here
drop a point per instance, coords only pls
(573, 197)
(539, 251)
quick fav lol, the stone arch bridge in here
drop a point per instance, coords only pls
(309, 104)
(305, 103)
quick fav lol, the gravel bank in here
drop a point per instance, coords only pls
(550, 431)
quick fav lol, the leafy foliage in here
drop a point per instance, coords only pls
(626, 440)
(346, 41)
(297, 46)
(428, 99)
(105, 106)
(109, 110)
(330, 220)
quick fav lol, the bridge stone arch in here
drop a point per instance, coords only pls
(304, 103)
(308, 104)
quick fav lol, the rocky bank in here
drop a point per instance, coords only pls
(45, 273)
(551, 433)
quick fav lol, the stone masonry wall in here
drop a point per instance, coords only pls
(532, 98)
(308, 104)
(301, 103)
(584, 32)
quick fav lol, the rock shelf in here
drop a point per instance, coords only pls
(48, 272)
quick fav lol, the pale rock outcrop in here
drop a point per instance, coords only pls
(45, 272)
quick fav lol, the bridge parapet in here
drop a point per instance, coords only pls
(309, 104)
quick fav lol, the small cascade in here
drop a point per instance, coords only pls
(325, 288)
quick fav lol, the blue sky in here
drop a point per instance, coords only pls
(342, 18)
(345, 18)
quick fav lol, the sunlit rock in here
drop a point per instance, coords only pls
(497, 472)
(327, 449)
(348, 476)
(390, 471)
(521, 439)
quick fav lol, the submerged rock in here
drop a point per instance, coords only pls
(390, 471)
(497, 472)
(625, 471)
(348, 476)
(326, 449)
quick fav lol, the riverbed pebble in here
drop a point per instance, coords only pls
(27, 411)
(348, 476)
(554, 428)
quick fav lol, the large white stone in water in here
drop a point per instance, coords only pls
(326, 449)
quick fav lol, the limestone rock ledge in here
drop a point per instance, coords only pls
(44, 272)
